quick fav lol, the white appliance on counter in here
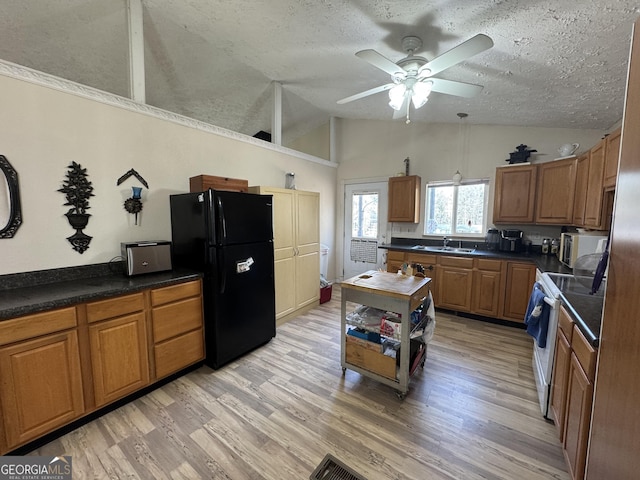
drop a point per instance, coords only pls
(575, 245)
(543, 357)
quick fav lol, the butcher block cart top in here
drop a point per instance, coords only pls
(389, 292)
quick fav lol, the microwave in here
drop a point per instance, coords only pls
(575, 245)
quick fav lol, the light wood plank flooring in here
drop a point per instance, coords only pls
(472, 413)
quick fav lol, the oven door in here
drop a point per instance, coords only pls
(543, 357)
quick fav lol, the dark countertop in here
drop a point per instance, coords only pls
(587, 313)
(544, 263)
(32, 292)
(586, 309)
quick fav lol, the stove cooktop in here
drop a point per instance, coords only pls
(576, 286)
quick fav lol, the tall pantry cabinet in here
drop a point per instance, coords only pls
(296, 243)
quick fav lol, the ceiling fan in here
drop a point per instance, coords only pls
(412, 77)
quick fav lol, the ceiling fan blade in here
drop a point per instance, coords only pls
(366, 93)
(458, 89)
(380, 61)
(457, 54)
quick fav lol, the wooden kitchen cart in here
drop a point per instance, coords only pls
(392, 292)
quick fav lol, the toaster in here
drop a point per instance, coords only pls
(146, 257)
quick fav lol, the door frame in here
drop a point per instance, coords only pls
(340, 233)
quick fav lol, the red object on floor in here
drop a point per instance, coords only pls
(325, 294)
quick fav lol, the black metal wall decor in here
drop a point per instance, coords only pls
(77, 189)
(133, 204)
(14, 217)
(521, 155)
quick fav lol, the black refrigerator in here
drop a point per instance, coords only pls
(229, 237)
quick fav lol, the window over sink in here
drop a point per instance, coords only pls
(459, 210)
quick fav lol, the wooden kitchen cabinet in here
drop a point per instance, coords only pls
(515, 193)
(395, 260)
(429, 265)
(404, 199)
(580, 196)
(118, 347)
(455, 279)
(561, 365)
(520, 280)
(578, 404)
(487, 287)
(612, 152)
(60, 365)
(176, 327)
(296, 244)
(40, 378)
(593, 205)
(555, 192)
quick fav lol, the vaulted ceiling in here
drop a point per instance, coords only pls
(553, 63)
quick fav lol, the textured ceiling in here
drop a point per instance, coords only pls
(553, 64)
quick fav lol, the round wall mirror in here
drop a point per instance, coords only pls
(10, 213)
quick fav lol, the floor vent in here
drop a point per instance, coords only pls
(331, 468)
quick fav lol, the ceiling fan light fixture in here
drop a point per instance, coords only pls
(421, 92)
(396, 96)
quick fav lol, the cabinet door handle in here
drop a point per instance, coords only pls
(430, 267)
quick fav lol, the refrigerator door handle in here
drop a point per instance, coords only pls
(223, 222)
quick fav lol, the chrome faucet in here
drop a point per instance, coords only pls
(445, 240)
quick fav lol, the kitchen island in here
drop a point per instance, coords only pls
(389, 292)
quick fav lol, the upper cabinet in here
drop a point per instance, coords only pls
(515, 191)
(582, 180)
(593, 205)
(404, 199)
(555, 192)
(573, 191)
(612, 152)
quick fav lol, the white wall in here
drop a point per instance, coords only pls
(43, 129)
(377, 149)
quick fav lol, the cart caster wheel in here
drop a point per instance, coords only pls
(400, 395)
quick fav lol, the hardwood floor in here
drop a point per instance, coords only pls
(472, 413)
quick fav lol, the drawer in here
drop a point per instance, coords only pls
(489, 265)
(160, 296)
(368, 355)
(30, 326)
(565, 323)
(395, 256)
(115, 307)
(176, 318)
(459, 262)
(584, 352)
(178, 353)
(422, 259)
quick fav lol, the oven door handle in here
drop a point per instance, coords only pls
(550, 301)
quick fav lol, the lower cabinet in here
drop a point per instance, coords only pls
(455, 277)
(560, 377)
(395, 261)
(520, 280)
(429, 266)
(40, 378)
(118, 346)
(490, 287)
(578, 404)
(176, 344)
(487, 287)
(572, 392)
(58, 366)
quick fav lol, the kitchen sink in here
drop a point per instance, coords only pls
(443, 249)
